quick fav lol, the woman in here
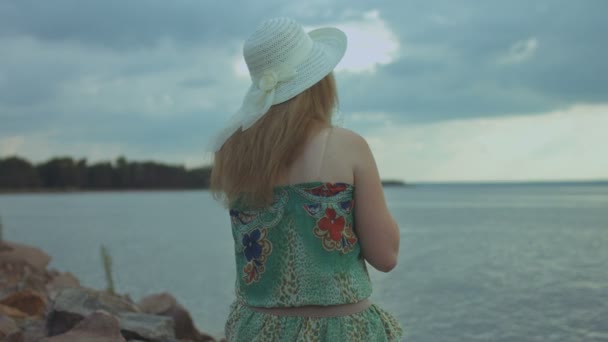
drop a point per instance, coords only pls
(306, 203)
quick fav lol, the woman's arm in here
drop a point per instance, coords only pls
(377, 230)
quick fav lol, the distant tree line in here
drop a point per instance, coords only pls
(65, 173)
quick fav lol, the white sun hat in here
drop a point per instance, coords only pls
(283, 61)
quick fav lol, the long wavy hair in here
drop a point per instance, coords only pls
(252, 162)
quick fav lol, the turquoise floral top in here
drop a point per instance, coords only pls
(301, 250)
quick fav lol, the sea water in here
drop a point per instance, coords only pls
(519, 262)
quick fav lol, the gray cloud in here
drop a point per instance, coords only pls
(197, 83)
(159, 74)
(460, 74)
(130, 24)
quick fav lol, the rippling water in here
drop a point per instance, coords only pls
(477, 262)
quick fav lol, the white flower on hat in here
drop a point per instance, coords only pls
(268, 80)
(298, 60)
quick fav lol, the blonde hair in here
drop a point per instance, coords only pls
(252, 162)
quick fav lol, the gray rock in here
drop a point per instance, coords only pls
(33, 329)
(100, 326)
(9, 330)
(71, 305)
(146, 327)
(165, 304)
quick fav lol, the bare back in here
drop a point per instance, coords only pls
(338, 155)
(323, 159)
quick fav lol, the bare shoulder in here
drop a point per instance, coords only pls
(377, 231)
(349, 139)
(350, 150)
(345, 133)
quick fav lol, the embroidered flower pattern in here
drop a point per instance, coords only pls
(328, 189)
(331, 204)
(312, 209)
(347, 206)
(256, 248)
(334, 232)
(242, 216)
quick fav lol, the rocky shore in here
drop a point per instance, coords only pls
(41, 304)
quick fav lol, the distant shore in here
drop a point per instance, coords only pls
(388, 184)
(67, 191)
(394, 183)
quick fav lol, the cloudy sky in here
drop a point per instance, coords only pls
(443, 90)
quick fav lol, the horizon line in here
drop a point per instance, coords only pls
(511, 182)
(388, 179)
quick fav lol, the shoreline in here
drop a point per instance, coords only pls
(42, 304)
(69, 191)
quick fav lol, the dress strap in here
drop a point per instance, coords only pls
(323, 153)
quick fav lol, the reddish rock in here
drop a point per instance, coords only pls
(14, 283)
(12, 312)
(62, 280)
(59, 282)
(52, 273)
(29, 302)
(164, 304)
(100, 326)
(31, 255)
(157, 303)
(4, 247)
(78, 313)
(22, 268)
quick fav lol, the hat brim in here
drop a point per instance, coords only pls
(329, 46)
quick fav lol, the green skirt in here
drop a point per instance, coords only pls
(371, 324)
